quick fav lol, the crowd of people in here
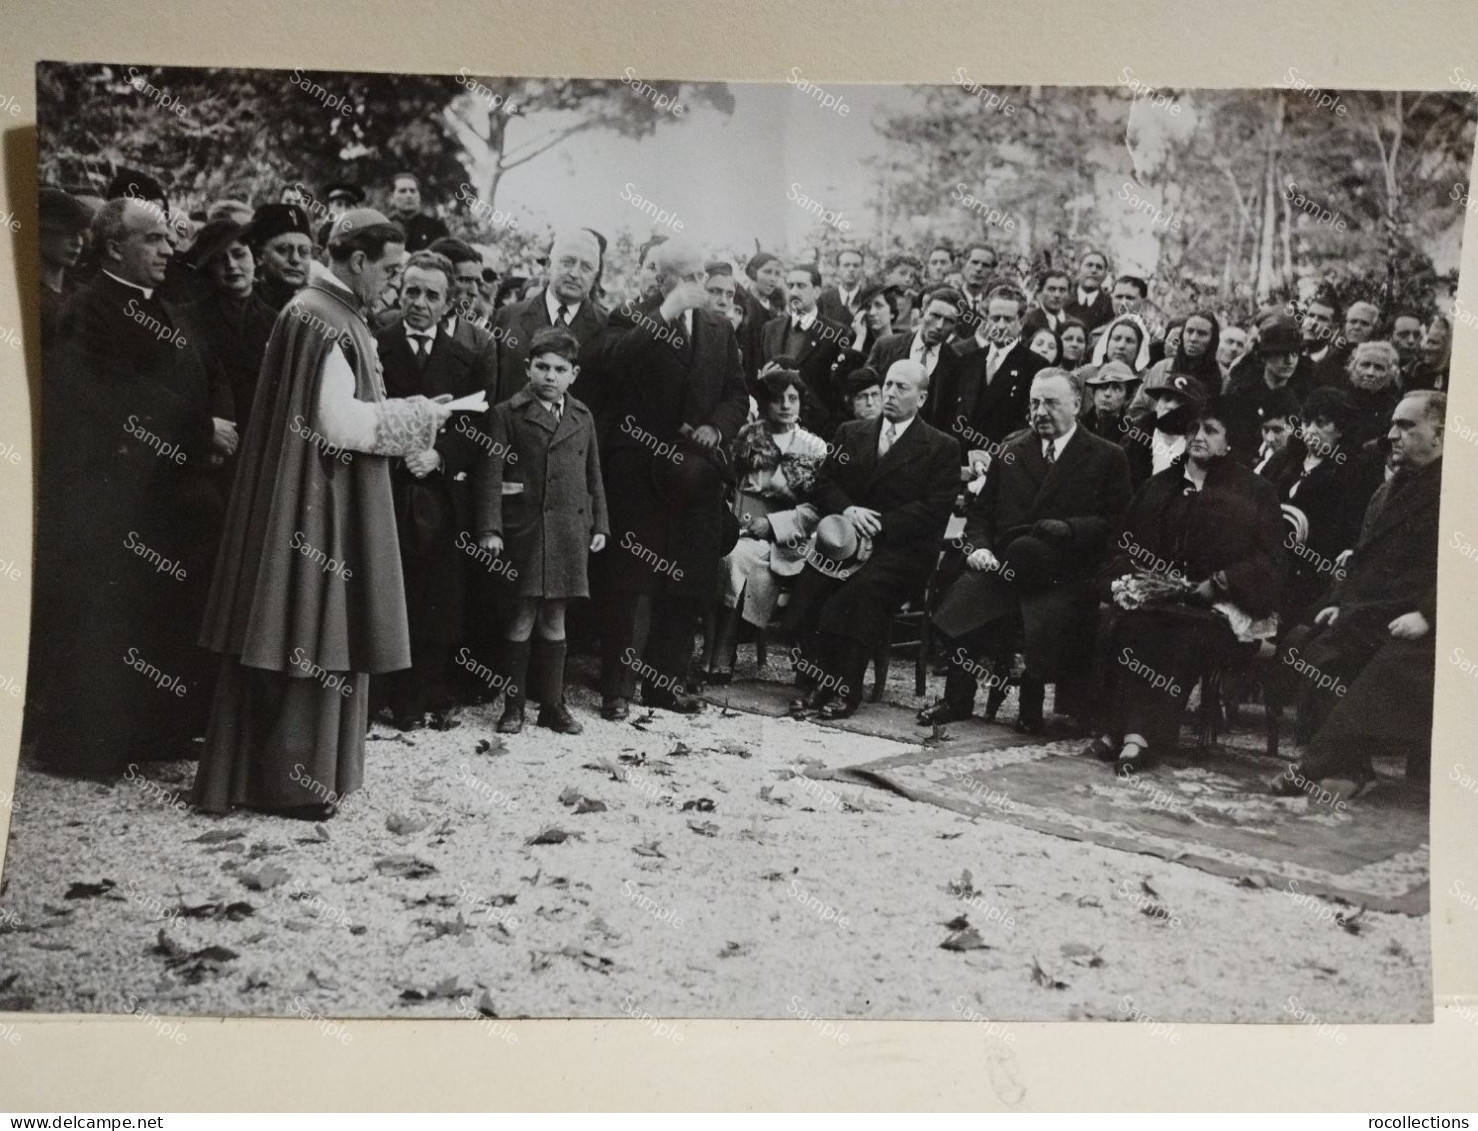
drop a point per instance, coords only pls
(355, 471)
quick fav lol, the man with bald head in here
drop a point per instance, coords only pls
(893, 481)
(1364, 670)
(574, 265)
(1037, 532)
(672, 396)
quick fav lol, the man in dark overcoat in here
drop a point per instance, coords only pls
(1366, 667)
(124, 526)
(894, 478)
(813, 343)
(673, 396)
(1034, 541)
(574, 266)
(430, 488)
(929, 345)
(983, 397)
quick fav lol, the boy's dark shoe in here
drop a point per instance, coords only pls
(558, 718)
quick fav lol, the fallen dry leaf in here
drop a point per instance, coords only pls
(553, 834)
(268, 876)
(406, 867)
(1044, 979)
(649, 848)
(964, 887)
(586, 805)
(701, 805)
(705, 828)
(966, 939)
(80, 890)
(217, 836)
(402, 825)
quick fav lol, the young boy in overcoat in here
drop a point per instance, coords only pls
(539, 502)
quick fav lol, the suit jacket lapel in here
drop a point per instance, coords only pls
(1073, 453)
(539, 416)
(902, 447)
(1400, 508)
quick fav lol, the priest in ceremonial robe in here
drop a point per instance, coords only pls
(307, 600)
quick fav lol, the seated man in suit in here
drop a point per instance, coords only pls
(929, 345)
(983, 399)
(812, 344)
(1368, 662)
(1035, 537)
(893, 479)
(430, 488)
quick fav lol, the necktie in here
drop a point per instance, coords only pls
(1050, 453)
(421, 347)
(555, 409)
(886, 441)
(562, 317)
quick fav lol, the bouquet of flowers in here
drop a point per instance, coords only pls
(1148, 589)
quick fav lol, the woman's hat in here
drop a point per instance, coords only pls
(213, 239)
(1186, 386)
(1111, 373)
(1279, 334)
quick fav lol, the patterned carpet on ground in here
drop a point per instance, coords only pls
(1210, 810)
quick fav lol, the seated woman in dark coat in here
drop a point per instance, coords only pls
(1324, 485)
(776, 462)
(1197, 576)
(1107, 389)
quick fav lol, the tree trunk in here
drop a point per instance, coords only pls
(1268, 235)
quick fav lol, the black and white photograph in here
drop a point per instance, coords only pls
(546, 547)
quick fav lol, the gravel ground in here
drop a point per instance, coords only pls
(714, 876)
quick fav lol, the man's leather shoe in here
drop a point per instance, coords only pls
(557, 717)
(839, 709)
(615, 707)
(939, 712)
(512, 720)
(671, 701)
(1099, 749)
(1132, 758)
(717, 677)
(1029, 725)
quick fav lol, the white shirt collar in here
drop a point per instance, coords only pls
(1003, 350)
(1086, 298)
(847, 296)
(148, 291)
(1061, 442)
(553, 304)
(899, 426)
(431, 333)
(806, 320)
